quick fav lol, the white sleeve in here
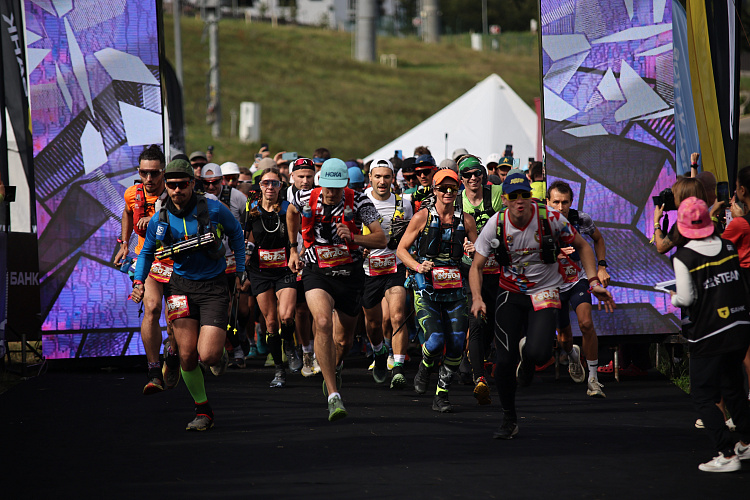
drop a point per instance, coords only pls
(685, 293)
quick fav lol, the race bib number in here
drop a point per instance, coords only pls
(569, 270)
(160, 272)
(177, 307)
(231, 264)
(491, 266)
(272, 259)
(545, 299)
(382, 264)
(445, 278)
(332, 255)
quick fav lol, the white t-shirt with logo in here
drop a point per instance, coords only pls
(385, 209)
(527, 274)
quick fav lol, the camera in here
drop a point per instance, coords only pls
(666, 198)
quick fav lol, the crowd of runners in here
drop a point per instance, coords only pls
(477, 262)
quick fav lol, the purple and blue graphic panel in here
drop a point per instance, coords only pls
(95, 101)
(608, 95)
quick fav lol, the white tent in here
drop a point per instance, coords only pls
(483, 121)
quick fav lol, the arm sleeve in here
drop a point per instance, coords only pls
(146, 257)
(685, 293)
(365, 209)
(235, 235)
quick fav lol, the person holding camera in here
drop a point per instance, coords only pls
(187, 228)
(384, 294)
(669, 200)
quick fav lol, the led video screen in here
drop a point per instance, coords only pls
(95, 102)
(608, 100)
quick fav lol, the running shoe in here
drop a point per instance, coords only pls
(380, 371)
(171, 375)
(295, 362)
(279, 378)
(308, 369)
(595, 389)
(336, 410)
(391, 361)
(524, 370)
(398, 381)
(154, 385)
(441, 403)
(238, 359)
(252, 353)
(339, 381)
(721, 464)
(221, 367)
(269, 361)
(422, 379)
(200, 423)
(482, 392)
(507, 430)
(316, 366)
(743, 452)
(576, 370)
(730, 425)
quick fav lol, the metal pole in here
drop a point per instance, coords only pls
(177, 40)
(431, 28)
(485, 28)
(365, 29)
(214, 104)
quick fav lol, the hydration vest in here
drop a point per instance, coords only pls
(550, 249)
(430, 244)
(482, 216)
(308, 223)
(251, 205)
(217, 250)
(140, 209)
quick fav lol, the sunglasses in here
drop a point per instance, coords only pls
(446, 189)
(246, 182)
(524, 195)
(410, 177)
(212, 183)
(150, 173)
(270, 183)
(178, 184)
(420, 173)
(473, 173)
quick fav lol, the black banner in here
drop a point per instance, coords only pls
(16, 88)
(23, 287)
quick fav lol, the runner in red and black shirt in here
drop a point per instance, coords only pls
(332, 265)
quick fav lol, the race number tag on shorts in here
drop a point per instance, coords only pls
(272, 259)
(446, 277)
(382, 264)
(177, 307)
(160, 271)
(491, 266)
(332, 255)
(569, 270)
(545, 299)
(231, 264)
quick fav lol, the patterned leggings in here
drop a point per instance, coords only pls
(444, 325)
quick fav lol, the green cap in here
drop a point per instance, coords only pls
(470, 163)
(179, 168)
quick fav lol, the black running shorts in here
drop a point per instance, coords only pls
(270, 280)
(576, 296)
(375, 286)
(345, 290)
(206, 301)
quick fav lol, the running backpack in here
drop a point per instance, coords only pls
(308, 223)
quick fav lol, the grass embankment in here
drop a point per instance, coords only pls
(313, 94)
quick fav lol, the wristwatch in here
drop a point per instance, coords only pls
(602, 263)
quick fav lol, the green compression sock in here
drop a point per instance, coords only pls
(194, 382)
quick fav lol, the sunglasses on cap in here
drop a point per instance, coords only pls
(473, 173)
(178, 184)
(524, 195)
(270, 183)
(447, 189)
(213, 182)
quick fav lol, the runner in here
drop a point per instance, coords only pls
(481, 202)
(441, 234)
(333, 276)
(272, 283)
(525, 243)
(141, 202)
(186, 228)
(384, 280)
(574, 291)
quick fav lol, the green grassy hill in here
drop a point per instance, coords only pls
(314, 94)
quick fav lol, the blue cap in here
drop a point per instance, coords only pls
(356, 176)
(424, 161)
(516, 182)
(334, 174)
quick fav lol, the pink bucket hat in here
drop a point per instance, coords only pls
(693, 219)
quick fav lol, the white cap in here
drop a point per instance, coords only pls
(381, 163)
(213, 168)
(458, 152)
(230, 168)
(493, 158)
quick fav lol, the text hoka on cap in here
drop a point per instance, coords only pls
(334, 174)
